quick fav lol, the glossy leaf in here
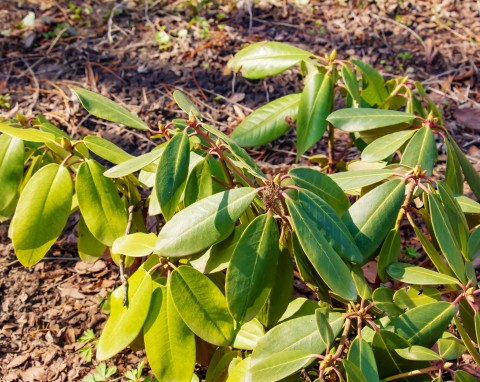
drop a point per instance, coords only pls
(370, 219)
(352, 120)
(415, 295)
(351, 180)
(201, 305)
(323, 257)
(388, 361)
(446, 238)
(315, 106)
(331, 225)
(324, 329)
(425, 324)
(100, 204)
(203, 223)
(138, 244)
(11, 168)
(239, 372)
(134, 164)
(28, 134)
(279, 365)
(199, 184)
(413, 274)
(172, 174)
(361, 354)
(418, 353)
(463, 376)
(383, 298)
(281, 292)
(250, 272)
(374, 91)
(185, 103)
(450, 347)
(268, 122)
(471, 174)
(89, 248)
(41, 214)
(389, 253)
(126, 322)
(248, 335)
(467, 341)
(264, 59)
(104, 108)
(106, 149)
(354, 373)
(385, 146)
(468, 205)
(169, 343)
(421, 150)
(321, 185)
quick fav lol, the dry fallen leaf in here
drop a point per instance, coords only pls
(468, 117)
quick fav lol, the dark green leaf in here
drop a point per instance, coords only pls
(351, 84)
(463, 376)
(360, 354)
(367, 119)
(268, 122)
(100, 204)
(467, 341)
(315, 106)
(323, 257)
(471, 174)
(41, 214)
(374, 91)
(250, 272)
(370, 219)
(323, 186)
(201, 305)
(383, 298)
(324, 329)
(354, 373)
(389, 253)
(199, 184)
(11, 168)
(104, 108)
(474, 244)
(453, 171)
(421, 150)
(264, 59)
(203, 223)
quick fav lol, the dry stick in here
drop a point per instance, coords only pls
(417, 372)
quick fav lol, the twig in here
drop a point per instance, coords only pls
(403, 26)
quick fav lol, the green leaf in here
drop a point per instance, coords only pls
(248, 335)
(323, 257)
(467, 341)
(421, 150)
(477, 327)
(389, 253)
(361, 354)
(28, 134)
(450, 347)
(351, 180)
(249, 275)
(279, 365)
(364, 290)
(414, 295)
(104, 108)
(315, 106)
(203, 223)
(474, 244)
(321, 185)
(11, 168)
(138, 244)
(446, 238)
(468, 205)
(324, 329)
(471, 174)
(199, 184)
(186, 104)
(281, 292)
(331, 225)
(383, 298)
(126, 322)
(102, 208)
(106, 149)
(219, 365)
(385, 146)
(135, 163)
(41, 214)
(413, 274)
(264, 59)
(169, 343)
(418, 353)
(371, 218)
(425, 324)
(389, 363)
(201, 305)
(172, 174)
(463, 376)
(89, 248)
(374, 91)
(354, 373)
(351, 84)
(268, 122)
(367, 119)
(453, 171)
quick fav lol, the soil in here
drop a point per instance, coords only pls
(121, 50)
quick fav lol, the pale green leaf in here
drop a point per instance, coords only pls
(351, 180)
(367, 119)
(385, 146)
(421, 150)
(185, 103)
(418, 353)
(360, 354)
(279, 365)
(28, 134)
(89, 248)
(413, 274)
(138, 244)
(374, 91)
(129, 166)
(106, 149)
(248, 335)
